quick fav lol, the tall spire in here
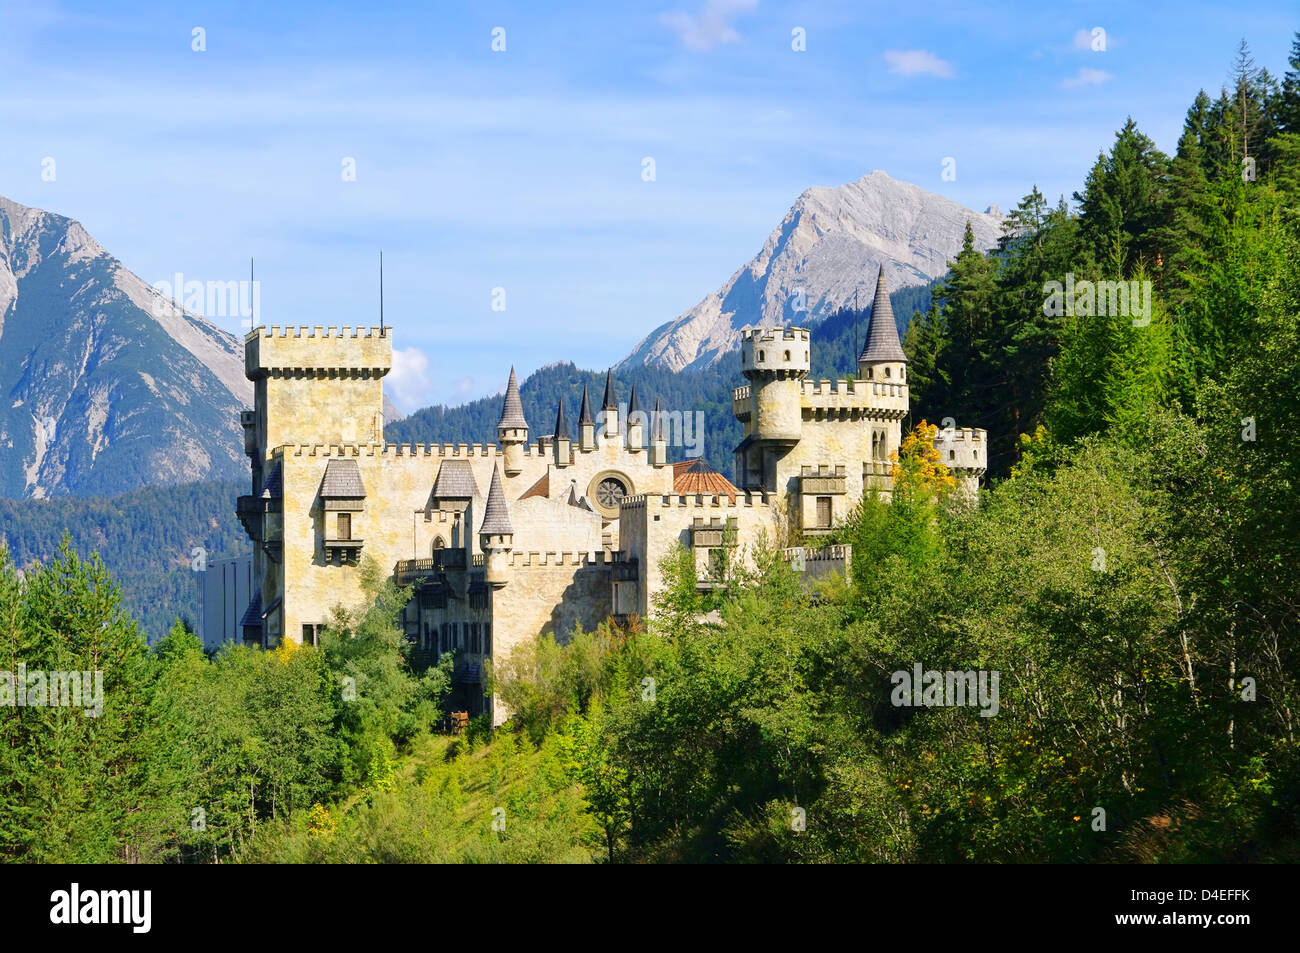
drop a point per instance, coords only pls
(512, 411)
(631, 403)
(882, 337)
(658, 429)
(584, 412)
(561, 425)
(496, 517)
(610, 403)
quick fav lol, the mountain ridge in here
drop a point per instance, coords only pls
(832, 242)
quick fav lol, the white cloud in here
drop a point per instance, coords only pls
(711, 26)
(1086, 77)
(408, 382)
(917, 63)
(1083, 40)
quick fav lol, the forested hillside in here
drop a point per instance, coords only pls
(147, 538)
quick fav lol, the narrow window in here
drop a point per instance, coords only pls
(787, 355)
(886, 372)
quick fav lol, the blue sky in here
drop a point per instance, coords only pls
(522, 169)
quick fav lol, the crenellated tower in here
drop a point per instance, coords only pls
(775, 361)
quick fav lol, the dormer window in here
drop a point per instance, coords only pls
(343, 496)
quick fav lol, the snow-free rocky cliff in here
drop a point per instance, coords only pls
(831, 242)
(98, 393)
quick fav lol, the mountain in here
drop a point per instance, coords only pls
(101, 390)
(831, 243)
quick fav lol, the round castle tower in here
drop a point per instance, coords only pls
(775, 361)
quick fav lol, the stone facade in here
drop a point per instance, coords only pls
(504, 541)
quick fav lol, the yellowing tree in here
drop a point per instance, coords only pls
(918, 469)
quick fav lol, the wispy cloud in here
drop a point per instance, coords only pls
(917, 63)
(1086, 77)
(711, 26)
(408, 382)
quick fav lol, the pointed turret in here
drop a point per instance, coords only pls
(659, 445)
(562, 442)
(586, 424)
(496, 515)
(882, 356)
(635, 424)
(609, 409)
(512, 430)
(496, 537)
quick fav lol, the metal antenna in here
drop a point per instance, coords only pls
(252, 298)
(381, 292)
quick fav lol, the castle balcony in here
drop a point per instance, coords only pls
(248, 420)
(409, 571)
(249, 510)
(740, 403)
(714, 534)
(346, 550)
(822, 481)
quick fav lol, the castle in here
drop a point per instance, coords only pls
(504, 541)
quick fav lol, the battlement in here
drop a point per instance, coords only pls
(316, 331)
(533, 560)
(839, 552)
(962, 448)
(821, 470)
(650, 501)
(308, 351)
(773, 335)
(780, 353)
(452, 451)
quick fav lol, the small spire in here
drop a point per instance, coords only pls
(631, 403)
(496, 517)
(882, 337)
(584, 412)
(512, 410)
(561, 425)
(659, 423)
(610, 402)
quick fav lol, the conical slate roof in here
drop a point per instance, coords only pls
(496, 518)
(631, 403)
(584, 412)
(610, 403)
(658, 422)
(561, 425)
(882, 340)
(512, 411)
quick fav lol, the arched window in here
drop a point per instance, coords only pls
(952, 454)
(787, 355)
(438, 544)
(886, 372)
(761, 357)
